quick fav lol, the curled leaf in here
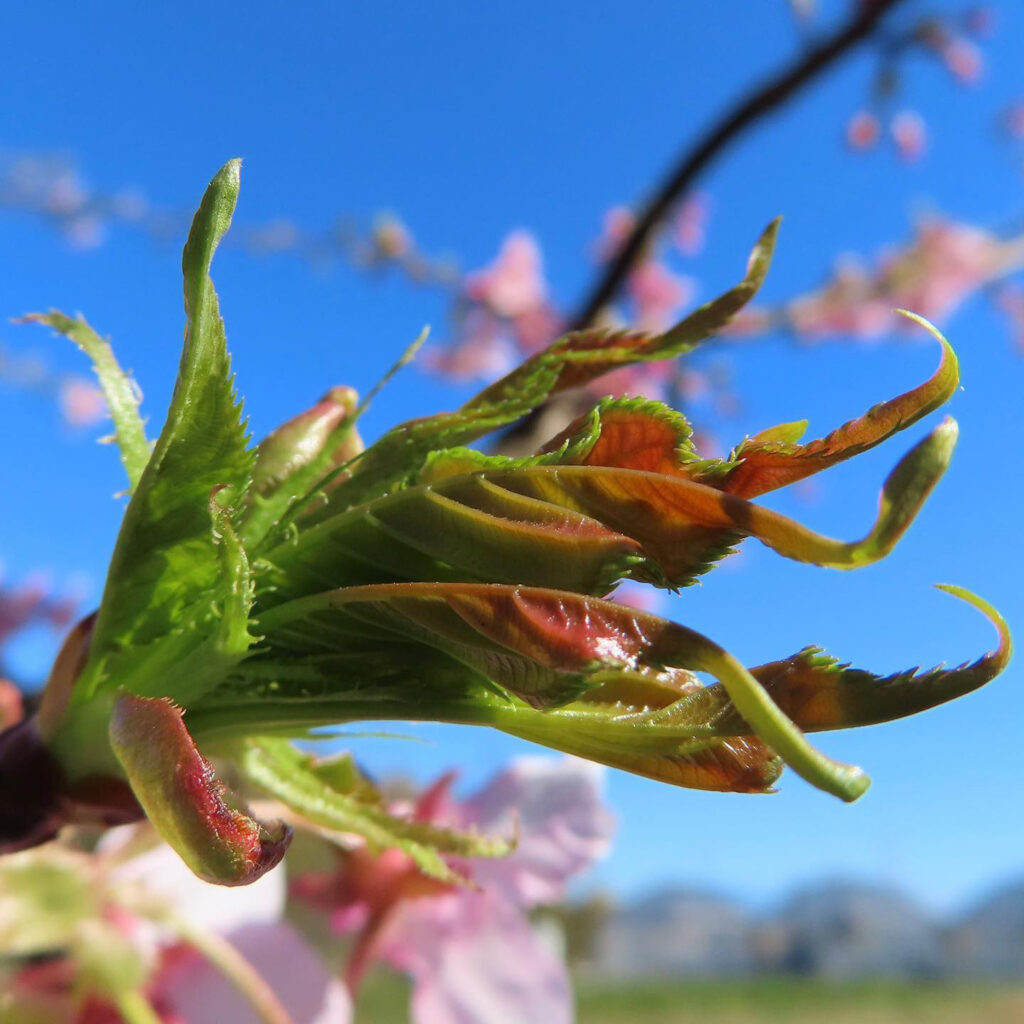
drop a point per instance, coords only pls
(183, 798)
(764, 463)
(578, 528)
(818, 692)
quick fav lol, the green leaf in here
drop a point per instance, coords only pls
(166, 564)
(183, 798)
(44, 895)
(294, 779)
(577, 528)
(818, 692)
(571, 361)
(189, 660)
(547, 646)
(120, 391)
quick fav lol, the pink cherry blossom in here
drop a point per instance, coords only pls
(471, 952)
(81, 403)
(963, 60)
(862, 130)
(908, 134)
(689, 225)
(192, 989)
(638, 596)
(618, 223)
(944, 264)
(657, 295)
(157, 907)
(514, 283)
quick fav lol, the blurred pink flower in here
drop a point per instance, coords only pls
(944, 264)
(908, 134)
(618, 223)
(638, 596)
(186, 984)
(657, 295)
(862, 130)
(84, 230)
(471, 952)
(31, 604)
(153, 906)
(650, 380)
(513, 284)
(81, 403)
(195, 992)
(963, 60)
(1010, 299)
(483, 350)
(689, 225)
(536, 329)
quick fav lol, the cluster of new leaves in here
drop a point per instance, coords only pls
(257, 593)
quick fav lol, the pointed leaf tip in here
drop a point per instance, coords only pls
(998, 659)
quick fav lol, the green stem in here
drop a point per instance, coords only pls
(767, 719)
(135, 1008)
(256, 992)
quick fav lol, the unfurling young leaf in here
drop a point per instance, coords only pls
(120, 390)
(429, 581)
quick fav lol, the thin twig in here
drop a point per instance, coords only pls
(761, 101)
(752, 108)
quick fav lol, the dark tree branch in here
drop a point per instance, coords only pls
(763, 100)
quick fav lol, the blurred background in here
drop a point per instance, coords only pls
(473, 167)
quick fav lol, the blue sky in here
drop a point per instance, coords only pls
(472, 119)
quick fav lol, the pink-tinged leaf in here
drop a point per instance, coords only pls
(640, 434)
(684, 525)
(575, 527)
(818, 692)
(182, 797)
(546, 645)
(763, 464)
(311, 437)
(628, 433)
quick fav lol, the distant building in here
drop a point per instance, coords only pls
(842, 931)
(678, 932)
(988, 942)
